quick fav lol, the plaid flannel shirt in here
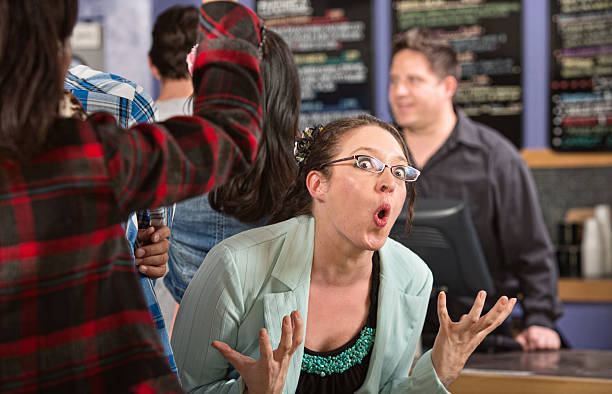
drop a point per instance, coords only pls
(102, 92)
(129, 104)
(72, 318)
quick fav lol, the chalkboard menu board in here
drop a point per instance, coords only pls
(486, 34)
(330, 40)
(581, 85)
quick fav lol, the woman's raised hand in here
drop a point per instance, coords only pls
(268, 374)
(457, 340)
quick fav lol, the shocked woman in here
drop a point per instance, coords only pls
(351, 301)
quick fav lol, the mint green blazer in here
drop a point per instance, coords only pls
(253, 279)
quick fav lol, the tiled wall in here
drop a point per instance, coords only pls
(563, 188)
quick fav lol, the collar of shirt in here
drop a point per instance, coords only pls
(99, 91)
(94, 80)
(464, 131)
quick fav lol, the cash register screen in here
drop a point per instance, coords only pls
(444, 236)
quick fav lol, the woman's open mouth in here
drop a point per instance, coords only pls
(381, 215)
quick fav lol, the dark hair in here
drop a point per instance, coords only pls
(32, 38)
(174, 34)
(441, 56)
(250, 196)
(297, 200)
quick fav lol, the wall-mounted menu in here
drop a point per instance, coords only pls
(581, 75)
(330, 40)
(486, 34)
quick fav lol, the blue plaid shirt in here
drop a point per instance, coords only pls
(98, 91)
(129, 104)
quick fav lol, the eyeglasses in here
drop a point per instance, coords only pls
(372, 164)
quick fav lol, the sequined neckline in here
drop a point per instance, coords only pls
(327, 365)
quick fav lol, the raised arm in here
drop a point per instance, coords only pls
(156, 164)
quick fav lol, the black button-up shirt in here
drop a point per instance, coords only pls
(477, 165)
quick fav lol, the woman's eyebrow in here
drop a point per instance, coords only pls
(365, 148)
(376, 152)
(402, 159)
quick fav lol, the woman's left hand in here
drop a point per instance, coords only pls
(456, 341)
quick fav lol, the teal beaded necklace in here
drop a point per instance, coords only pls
(326, 365)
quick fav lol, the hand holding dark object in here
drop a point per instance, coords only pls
(268, 374)
(456, 341)
(152, 254)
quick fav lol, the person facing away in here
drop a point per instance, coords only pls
(464, 160)
(246, 200)
(174, 35)
(129, 104)
(73, 317)
(341, 303)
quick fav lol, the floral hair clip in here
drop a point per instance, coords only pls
(304, 142)
(191, 58)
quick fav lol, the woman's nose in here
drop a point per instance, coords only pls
(387, 181)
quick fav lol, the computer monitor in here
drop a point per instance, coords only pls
(444, 236)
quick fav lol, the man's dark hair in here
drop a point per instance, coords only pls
(174, 34)
(441, 56)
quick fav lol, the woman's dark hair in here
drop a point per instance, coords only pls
(297, 200)
(32, 38)
(174, 34)
(250, 196)
(440, 54)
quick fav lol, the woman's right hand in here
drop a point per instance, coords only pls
(268, 374)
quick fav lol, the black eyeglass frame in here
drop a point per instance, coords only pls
(374, 170)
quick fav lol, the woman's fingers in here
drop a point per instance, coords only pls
(238, 360)
(298, 330)
(497, 314)
(507, 311)
(284, 347)
(442, 311)
(265, 348)
(479, 302)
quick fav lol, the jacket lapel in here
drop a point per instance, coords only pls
(276, 306)
(397, 328)
(292, 269)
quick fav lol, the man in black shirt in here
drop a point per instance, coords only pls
(464, 160)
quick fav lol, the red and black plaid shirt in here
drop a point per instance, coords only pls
(72, 318)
